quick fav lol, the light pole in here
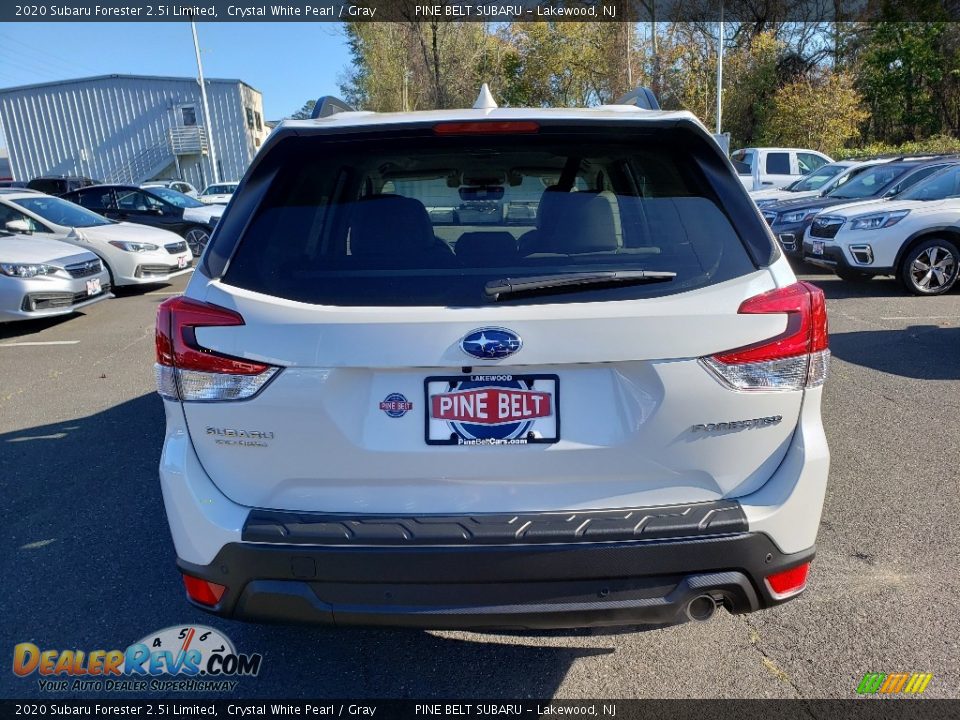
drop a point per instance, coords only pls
(720, 72)
(206, 108)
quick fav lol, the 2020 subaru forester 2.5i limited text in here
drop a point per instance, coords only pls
(492, 368)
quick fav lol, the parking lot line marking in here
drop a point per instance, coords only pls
(47, 342)
(922, 317)
(178, 292)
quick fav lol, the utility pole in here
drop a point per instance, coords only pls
(206, 107)
(720, 72)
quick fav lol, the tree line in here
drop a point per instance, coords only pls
(831, 86)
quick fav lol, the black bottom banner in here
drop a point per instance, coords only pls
(867, 709)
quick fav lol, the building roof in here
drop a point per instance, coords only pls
(94, 78)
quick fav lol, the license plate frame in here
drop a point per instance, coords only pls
(94, 287)
(522, 383)
(818, 247)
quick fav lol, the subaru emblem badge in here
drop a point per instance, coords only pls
(491, 343)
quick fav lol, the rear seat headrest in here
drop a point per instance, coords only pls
(390, 225)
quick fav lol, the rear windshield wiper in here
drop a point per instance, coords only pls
(571, 282)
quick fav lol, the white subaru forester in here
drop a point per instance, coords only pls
(493, 368)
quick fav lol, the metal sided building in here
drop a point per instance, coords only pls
(131, 128)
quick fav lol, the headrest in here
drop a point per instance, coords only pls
(486, 246)
(390, 225)
(584, 224)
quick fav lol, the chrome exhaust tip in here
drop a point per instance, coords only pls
(701, 608)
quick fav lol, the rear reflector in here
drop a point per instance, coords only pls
(796, 358)
(487, 127)
(203, 591)
(789, 582)
(187, 371)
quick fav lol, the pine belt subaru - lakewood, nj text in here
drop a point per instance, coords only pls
(492, 367)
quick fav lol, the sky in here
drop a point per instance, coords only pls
(289, 63)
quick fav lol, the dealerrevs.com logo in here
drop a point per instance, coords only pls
(182, 658)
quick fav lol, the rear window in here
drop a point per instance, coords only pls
(433, 220)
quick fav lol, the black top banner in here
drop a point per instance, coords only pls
(766, 11)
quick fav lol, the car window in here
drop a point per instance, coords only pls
(915, 177)
(868, 183)
(744, 157)
(135, 201)
(778, 163)
(808, 162)
(943, 185)
(95, 199)
(432, 221)
(816, 180)
(62, 212)
(220, 189)
(9, 214)
(176, 198)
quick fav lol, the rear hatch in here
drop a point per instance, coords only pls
(490, 318)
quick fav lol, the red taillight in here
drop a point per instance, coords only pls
(795, 359)
(487, 127)
(788, 582)
(177, 343)
(806, 324)
(203, 591)
(186, 371)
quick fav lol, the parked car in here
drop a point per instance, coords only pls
(915, 236)
(790, 219)
(59, 184)
(218, 194)
(133, 254)
(608, 414)
(159, 207)
(819, 182)
(181, 186)
(775, 167)
(42, 278)
(12, 184)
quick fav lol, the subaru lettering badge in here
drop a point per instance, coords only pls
(491, 343)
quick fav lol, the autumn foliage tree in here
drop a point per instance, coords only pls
(821, 113)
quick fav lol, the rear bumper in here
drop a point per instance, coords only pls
(286, 567)
(575, 584)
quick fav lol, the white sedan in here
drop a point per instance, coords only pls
(133, 254)
(218, 194)
(43, 278)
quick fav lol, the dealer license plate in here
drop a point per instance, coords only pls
(93, 287)
(494, 409)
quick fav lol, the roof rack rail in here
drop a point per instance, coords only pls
(642, 97)
(329, 105)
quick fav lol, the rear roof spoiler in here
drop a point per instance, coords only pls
(642, 97)
(329, 105)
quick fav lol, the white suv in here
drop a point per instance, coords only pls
(492, 367)
(915, 236)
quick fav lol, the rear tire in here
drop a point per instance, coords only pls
(197, 238)
(853, 275)
(931, 267)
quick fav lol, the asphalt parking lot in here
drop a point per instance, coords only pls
(87, 560)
